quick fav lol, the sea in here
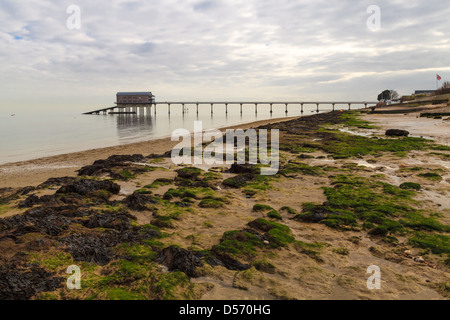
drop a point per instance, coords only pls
(27, 135)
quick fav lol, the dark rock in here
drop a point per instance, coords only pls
(314, 217)
(166, 154)
(41, 219)
(183, 204)
(53, 200)
(85, 186)
(190, 173)
(139, 201)
(117, 221)
(239, 180)
(123, 158)
(397, 133)
(105, 166)
(26, 190)
(32, 200)
(56, 182)
(259, 224)
(161, 223)
(223, 259)
(105, 221)
(316, 214)
(178, 259)
(92, 247)
(20, 283)
(243, 168)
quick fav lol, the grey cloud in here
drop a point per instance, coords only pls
(267, 47)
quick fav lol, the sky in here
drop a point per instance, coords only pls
(53, 56)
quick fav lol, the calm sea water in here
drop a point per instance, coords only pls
(31, 135)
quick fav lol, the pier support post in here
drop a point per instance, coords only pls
(349, 106)
(333, 106)
(211, 109)
(302, 107)
(286, 111)
(271, 109)
(256, 108)
(168, 108)
(182, 106)
(241, 108)
(226, 108)
(197, 108)
(317, 105)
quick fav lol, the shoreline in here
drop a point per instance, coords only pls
(35, 171)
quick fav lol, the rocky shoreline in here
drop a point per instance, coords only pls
(346, 197)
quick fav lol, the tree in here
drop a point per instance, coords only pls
(444, 89)
(385, 95)
(394, 95)
(388, 95)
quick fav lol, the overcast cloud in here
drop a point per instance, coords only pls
(218, 49)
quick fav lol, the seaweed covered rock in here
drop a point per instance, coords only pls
(243, 168)
(117, 221)
(106, 166)
(316, 214)
(139, 201)
(123, 158)
(191, 177)
(397, 133)
(98, 248)
(225, 260)
(191, 173)
(239, 181)
(46, 220)
(21, 283)
(91, 247)
(56, 182)
(30, 201)
(86, 186)
(179, 259)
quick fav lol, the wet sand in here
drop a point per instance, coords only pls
(33, 172)
(436, 129)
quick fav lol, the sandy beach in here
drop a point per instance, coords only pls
(34, 172)
(337, 206)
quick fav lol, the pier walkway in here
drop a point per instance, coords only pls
(133, 108)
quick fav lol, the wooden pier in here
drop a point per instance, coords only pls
(141, 108)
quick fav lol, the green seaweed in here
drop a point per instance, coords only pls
(437, 243)
(261, 207)
(410, 186)
(274, 214)
(430, 176)
(211, 203)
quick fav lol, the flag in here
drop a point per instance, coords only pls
(438, 77)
